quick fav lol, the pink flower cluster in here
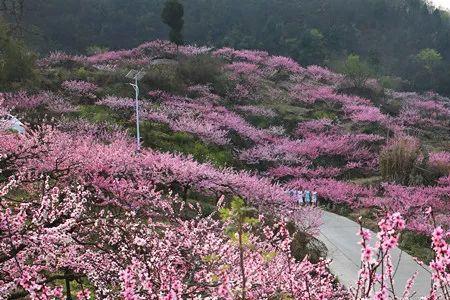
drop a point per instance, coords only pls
(117, 103)
(22, 100)
(209, 121)
(256, 110)
(306, 153)
(359, 110)
(141, 55)
(322, 74)
(365, 113)
(281, 63)
(335, 191)
(440, 160)
(202, 93)
(441, 262)
(97, 216)
(316, 127)
(80, 87)
(376, 276)
(251, 56)
(29, 102)
(249, 69)
(427, 110)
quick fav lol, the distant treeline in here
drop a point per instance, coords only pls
(390, 35)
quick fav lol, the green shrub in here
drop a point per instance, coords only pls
(323, 114)
(392, 107)
(305, 245)
(99, 114)
(390, 82)
(417, 245)
(200, 69)
(81, 73)
(165, 77)
(16, 62)
(206, 70)
(356, 71)
(95, 49)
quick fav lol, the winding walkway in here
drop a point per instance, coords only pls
(339, 234)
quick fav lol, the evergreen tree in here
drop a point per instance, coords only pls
(172, 15)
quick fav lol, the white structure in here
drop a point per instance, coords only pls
(443, 4)
(9, 122)
(136, 75)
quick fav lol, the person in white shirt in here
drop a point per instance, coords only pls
(314, 198)
(300, 198)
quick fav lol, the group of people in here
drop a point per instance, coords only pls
(305, 197)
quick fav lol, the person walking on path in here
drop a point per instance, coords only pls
(290, 192)
(300, 198)
(314, 198)
(308, 197)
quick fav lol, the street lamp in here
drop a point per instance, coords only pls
(136, 76)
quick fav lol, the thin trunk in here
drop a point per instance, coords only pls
(241, 262)
(68, 292)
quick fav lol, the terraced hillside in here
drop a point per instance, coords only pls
(216, 124)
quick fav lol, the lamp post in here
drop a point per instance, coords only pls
(136, 76)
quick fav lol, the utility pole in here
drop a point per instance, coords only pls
(136, 76)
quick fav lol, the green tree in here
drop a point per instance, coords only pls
(356, 70)
(428, 68)
(14, 10)
(429, 58)
(16, 62)
(172, 15)
(240, 217)
(313, 50)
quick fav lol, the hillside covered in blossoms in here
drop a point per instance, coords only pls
(203, 210)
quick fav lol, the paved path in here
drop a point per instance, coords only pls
(339, 234)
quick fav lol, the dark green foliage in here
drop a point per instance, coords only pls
(388, 34)
(429, 59)
(427, 66)
(164, 77)
(204, 70)
(311, 49)
(356, 71)
(391, 82)
(172, 15)
(174, 76)
(417, 245)
(201, 69)
(99, 114)
(323, 111)
(16, 62)
(307, 245)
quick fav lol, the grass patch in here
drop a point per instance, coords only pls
(99, 114)
(159, 136)
(367, 181)
(416, 245)
(260, 121)
(291, 115)
(319, 114)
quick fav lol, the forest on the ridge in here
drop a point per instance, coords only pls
(388, 34)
